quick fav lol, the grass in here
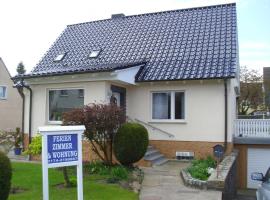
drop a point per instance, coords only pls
(29, 177)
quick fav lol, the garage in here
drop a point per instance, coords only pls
(258, 160)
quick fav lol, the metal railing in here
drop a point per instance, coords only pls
(252, 128)
(151, 126)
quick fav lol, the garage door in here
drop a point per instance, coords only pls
(258, 160)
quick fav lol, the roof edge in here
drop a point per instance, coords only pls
(128, 65)
(188, 79)
(159, 12)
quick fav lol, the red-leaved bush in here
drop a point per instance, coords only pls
(101, 122)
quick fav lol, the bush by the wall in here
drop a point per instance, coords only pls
(5, 176)
(35, 148)
(130, 143)
(199, 168)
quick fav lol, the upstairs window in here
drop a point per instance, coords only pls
(3, 92)
(61, 101)
(168, 105)
(94, 54)
(59, 57)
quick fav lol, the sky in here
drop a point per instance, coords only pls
(29, 27)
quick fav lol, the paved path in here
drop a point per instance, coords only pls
(164, 183)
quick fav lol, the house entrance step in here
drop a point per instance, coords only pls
(154, 156)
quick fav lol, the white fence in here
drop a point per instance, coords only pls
(252, 128)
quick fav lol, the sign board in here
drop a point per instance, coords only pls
(61, 146)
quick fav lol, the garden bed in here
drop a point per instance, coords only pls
(197, 174)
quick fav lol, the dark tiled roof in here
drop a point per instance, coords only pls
(195, 43)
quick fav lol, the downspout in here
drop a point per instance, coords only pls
(226, 114)
(30, 114)
(23, 109)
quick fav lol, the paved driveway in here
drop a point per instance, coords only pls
(164, 183)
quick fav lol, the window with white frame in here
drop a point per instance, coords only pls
(168, 105)
(61, 101)
(3, 92)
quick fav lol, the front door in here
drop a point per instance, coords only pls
(119, 96)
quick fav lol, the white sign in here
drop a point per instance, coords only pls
(61, 146)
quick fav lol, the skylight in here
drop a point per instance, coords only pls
(59, 57)
(94, 54)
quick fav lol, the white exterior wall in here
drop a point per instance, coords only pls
(94, 92)
(204, 110)
(204, 106)
(232, 106)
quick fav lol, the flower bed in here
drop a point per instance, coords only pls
(201, 168)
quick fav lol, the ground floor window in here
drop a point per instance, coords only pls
(3, 92)
(64, 100)
(168, 105)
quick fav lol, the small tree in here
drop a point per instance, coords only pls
(101, 122)
(21, 69)
(251, 94)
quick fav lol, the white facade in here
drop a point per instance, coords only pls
(204, 104)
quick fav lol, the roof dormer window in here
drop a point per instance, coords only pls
(94, 54)
(59, 57)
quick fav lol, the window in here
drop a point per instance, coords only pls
(168, 105)
(94, 54)
(59, 103)
(3, 92)
(59, 57)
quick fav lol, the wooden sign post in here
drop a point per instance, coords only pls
(61, 147)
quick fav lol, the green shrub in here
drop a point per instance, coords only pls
(99, 168)
(5, 176)
(119, 173)
(199, 168)
(35, 148)
(130, 143)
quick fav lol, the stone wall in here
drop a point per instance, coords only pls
(224, 179)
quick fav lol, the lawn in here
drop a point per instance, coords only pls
(28, 176)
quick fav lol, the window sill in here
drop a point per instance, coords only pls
(55, 122)
(164, 121)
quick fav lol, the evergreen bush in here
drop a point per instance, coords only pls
(130, 143)
(5, 176)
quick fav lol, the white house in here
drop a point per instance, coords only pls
(176, 72)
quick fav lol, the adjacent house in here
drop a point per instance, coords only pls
(252, 139)
(266, 86)
(176, 72)
(10, 102)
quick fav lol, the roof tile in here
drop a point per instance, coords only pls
(195, 43)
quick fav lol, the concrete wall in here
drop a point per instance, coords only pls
(11, 107)
(204, 110)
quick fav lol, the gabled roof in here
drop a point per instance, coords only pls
(195, 43)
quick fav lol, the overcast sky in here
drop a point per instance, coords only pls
(29, 27)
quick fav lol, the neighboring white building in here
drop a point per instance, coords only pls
(176, 72)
